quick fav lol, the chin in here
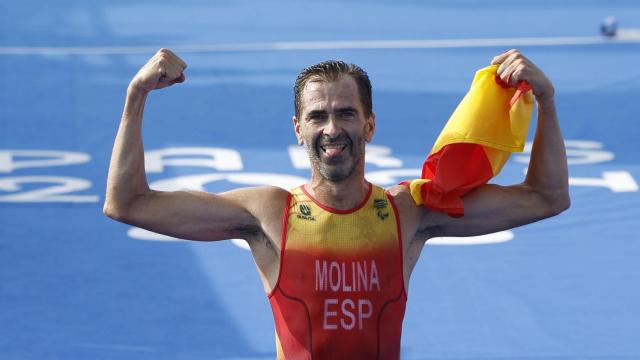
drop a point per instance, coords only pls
(335, 177)
(336, 174)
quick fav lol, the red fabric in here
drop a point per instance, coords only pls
(458, 168)
(521, 88)
(454, 170)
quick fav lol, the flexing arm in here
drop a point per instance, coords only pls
(185, 214)
(544, 192)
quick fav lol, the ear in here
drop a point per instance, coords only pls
(296, 128)
(370, 126)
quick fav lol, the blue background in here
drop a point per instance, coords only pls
(74, 285)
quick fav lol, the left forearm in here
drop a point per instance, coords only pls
(547, 173)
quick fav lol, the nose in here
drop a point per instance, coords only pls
(332, 128)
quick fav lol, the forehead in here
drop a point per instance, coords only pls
(320, 95)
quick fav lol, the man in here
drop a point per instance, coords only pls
(335, 255)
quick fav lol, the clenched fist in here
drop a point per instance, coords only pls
(514, 67)
(164, 69)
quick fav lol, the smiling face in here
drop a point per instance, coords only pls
(333, 128)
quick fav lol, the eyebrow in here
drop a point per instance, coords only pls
(316, 112)
(347, 108)
(324, 112)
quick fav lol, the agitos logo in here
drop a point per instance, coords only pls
(381, 208)
(305, 212)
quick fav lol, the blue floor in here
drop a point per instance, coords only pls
(76, 285)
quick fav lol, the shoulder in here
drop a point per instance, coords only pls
(263, 192)
(408, 211)
(417, 221)
(266, 206)
(261, 200)
(401, 196)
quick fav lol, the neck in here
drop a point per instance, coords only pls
(343, 195)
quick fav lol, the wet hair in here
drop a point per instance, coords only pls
(330, 71)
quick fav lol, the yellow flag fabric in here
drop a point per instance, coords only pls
(490, 123)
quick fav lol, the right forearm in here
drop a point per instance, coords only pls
(127, 178)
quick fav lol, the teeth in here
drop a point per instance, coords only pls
(332, 146)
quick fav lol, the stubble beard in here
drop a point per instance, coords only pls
(342, 169)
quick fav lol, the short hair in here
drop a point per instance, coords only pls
(330, 71)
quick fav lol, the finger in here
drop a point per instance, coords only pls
(174, 71)
(499, 59)
(166, 82)
(162, 72)
(173, 75)
(514, 61)
(166, 56)
(180, 79)
(179, 61)
(517, 76)
(161, 54)
(503, 69)
(174, 58)
(166, 73)
(507, 71)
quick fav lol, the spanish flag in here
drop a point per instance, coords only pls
(489, 124)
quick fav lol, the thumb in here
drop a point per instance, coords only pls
(180, 79)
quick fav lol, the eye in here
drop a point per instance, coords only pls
(347, 114)
(316, 117)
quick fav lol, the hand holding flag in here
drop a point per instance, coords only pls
(489, 124)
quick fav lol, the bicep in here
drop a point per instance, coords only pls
(491, 208)
(194, 215)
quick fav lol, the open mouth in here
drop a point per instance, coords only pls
(332, 150)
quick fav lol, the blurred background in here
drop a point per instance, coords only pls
(76, 285)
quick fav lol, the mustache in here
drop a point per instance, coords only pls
(326, 139)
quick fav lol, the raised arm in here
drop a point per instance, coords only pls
(184, 214)
(543, 193)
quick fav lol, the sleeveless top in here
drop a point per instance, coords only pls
(340, 292)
